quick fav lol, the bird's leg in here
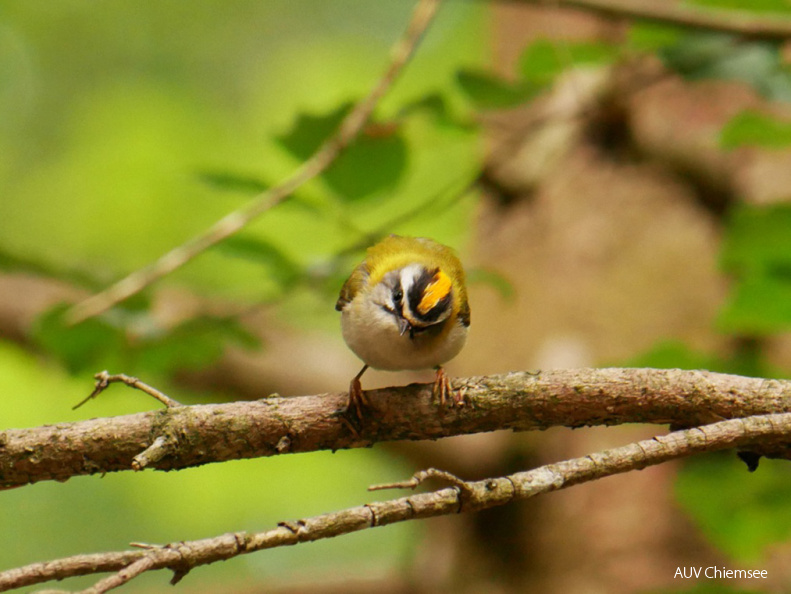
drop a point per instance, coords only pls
(356, 397)
(442, 389)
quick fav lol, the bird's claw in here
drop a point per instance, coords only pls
(443, 390)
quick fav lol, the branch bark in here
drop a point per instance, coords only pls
(462, 496)
(185, 436)
(740, 22)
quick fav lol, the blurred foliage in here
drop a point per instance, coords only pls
(97, 343)
(127, 128)
(759, 305)
(750, 128)
(275, 264)
(744, 359)
(157, 151)
(757, 251)
(543, 60)
(540, 63)
(651, 37)
(673, 354)
(370, 166)
(756, 507)
(757, 239)
(487, 91)
(94, 344)
(741, 515)
(233, 182)
(776, 6)
(718, 55)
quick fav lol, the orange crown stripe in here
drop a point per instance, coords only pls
(437, 290)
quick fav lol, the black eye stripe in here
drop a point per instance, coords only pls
(415, 296)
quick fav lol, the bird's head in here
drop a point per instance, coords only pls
(417, 297)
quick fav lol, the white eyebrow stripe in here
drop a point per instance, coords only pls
(408, 276)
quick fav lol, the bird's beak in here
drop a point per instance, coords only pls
(404, 326)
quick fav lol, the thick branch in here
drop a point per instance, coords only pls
(195, 435)
(740, 22)
(463, 496)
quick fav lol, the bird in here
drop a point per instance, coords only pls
(404, 307)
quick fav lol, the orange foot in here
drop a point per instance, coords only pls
(357, 400)
(443, 389)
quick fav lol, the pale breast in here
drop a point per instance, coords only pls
(373, 335)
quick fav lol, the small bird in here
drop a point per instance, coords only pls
(405, 307)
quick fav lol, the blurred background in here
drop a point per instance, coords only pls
(616, 187)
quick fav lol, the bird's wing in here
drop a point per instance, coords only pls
(352, 286)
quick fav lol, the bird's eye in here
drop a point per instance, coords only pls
(398, 295)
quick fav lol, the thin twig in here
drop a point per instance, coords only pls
(464, 496)
(104, 379)
(348, 130)
(418, 478)
(131, 571)
(740, 22)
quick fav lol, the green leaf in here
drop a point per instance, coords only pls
(91, 345)
(649, 37)
(758, 240)
(544, 60)
(279, 266)
(751, 128)
(310, 131)
(437, 106)
(372, 164)
(718, 55)
(741, 515)
(698, 55)
(14, 262)
(488, 91)
(757, 250)
(759, 305)
(233, 182)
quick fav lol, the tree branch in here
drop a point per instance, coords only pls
(104, 379)
(740, 22)
(348, 130)
(462, 496)
(185, 436)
